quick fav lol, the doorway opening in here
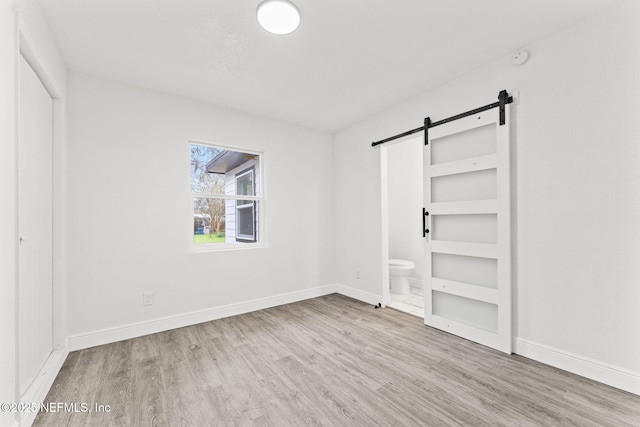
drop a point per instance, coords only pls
(402, 239)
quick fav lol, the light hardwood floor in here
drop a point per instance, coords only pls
(329, 361)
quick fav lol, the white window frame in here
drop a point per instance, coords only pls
(260, 199)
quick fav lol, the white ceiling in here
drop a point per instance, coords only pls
(348, 59)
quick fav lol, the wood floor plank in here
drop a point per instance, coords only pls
(115, 378)
(147, 405)
(328, 361)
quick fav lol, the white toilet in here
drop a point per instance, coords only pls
(399, 271)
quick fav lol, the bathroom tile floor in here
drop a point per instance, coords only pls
(412, 303)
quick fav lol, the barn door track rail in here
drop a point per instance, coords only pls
(503, 99)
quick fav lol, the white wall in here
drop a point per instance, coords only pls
(404, 168)
(577, 211)
(128, 196)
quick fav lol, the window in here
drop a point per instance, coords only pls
(245, 209)
(225, 197)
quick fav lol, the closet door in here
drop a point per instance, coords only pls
(467, 213)
(35, 199)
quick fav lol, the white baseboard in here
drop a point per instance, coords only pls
(598, 371)
(106, 336)
(358, 294)
(37, 391)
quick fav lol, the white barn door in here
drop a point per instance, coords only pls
(467, 213)
(35, 204)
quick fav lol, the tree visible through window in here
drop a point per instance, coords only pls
(225, 188)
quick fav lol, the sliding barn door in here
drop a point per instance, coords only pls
(467, 213)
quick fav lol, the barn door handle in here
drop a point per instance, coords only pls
(425, 230)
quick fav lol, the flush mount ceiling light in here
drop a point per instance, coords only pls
(278, 16)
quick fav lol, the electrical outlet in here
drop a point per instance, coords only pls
(357, 273)
(147, 298)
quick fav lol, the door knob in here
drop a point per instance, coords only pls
(23, 239)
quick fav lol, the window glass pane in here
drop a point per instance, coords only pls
(208, 221)
(220, 171)
(219, 220)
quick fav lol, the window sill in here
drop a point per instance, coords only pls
(224, 247)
